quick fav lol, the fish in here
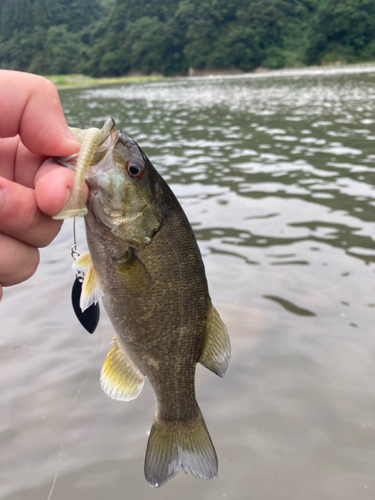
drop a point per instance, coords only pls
(145, 265)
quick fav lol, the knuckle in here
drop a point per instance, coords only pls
(30, 266)
(50, 90)
(24, 271)
(21, 218)
(48, 85)
(18, 261)
(49, 233)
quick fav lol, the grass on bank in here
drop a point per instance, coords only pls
(65, 81)
(71, 81)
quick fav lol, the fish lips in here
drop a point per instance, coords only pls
(103, 149)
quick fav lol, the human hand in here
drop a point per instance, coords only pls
(32, 187)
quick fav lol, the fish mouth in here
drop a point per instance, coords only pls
(111, 217)
(94, 146)
(100, 153)
(113, 214)
(109, 136)
(67, 161)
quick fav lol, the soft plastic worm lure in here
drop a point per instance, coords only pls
(90, 140)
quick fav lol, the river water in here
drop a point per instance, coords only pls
(275, 172)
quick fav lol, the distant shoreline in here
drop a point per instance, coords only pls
(82, 81)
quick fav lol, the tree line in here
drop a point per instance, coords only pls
(117, 37)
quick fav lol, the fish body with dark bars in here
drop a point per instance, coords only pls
(145, 264)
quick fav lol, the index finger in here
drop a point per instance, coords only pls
(30, 107)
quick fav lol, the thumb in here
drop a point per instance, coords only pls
(31, 108)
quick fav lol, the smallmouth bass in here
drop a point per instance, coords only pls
(145, 264)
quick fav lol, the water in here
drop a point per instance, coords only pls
(276, 175)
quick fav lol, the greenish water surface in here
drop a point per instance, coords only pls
(276, 174)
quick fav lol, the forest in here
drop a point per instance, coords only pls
(120, 37)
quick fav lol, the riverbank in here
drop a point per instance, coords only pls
(72, 81)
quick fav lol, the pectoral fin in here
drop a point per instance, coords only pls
(216, 348)
(120, 378)
(82, 263)
(90, 287)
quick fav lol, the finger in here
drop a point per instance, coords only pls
(26, 165)
(18, 261)
(31, 108)
(21, 218)
(8, 148)
(17, 163)
(53, 186)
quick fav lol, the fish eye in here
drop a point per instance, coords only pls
(135, 171)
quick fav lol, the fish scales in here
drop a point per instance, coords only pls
(168, 310)
(146, 264)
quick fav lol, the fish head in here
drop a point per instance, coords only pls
(124, 195)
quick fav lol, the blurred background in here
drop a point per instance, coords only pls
(171, 37)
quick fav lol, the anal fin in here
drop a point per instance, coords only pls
(216, 348)
(120, 379)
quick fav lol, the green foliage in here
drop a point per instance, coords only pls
(148, 41)
(117, 37)
(343, 30)
(40, 17)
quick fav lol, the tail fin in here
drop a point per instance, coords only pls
(172, 444)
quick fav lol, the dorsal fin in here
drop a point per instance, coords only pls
(90, 287)
(216, 348)
(120, 379)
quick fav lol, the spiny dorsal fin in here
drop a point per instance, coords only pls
(90, 287)
(216, 348)
(120, 379)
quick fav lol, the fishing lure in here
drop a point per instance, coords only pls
(89, 318)
(87, 314)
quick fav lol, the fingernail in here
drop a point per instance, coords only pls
(69, 134)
